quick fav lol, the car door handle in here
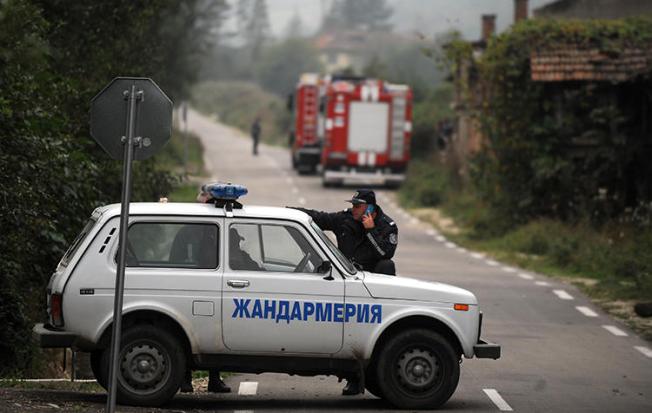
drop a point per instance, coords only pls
(238, 283)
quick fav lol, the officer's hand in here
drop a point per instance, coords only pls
(368, 221)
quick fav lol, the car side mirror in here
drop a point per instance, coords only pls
(324, 268)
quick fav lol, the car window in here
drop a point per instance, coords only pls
(77, 242)
(174, 245)
(270, 247)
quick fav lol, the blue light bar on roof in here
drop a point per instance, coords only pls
(226, 191)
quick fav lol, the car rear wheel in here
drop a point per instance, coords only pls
(418, 369)
(150, 366)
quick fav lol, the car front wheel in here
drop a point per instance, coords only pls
(418, 369)
(150, 366)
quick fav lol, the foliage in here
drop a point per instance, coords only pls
(282, 64)
(54, 56)
(369, 15)
(238, 103)
(428, 183)
(559, 151)
(427, 113)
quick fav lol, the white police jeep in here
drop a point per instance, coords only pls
(253, 289)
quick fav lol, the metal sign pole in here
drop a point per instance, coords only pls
(129, 141)
(185, 138)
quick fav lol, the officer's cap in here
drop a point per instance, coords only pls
(363, 196)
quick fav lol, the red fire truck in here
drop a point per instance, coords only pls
(304, 137)
(366, 132)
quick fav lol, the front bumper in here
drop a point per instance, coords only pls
(484, 350)
(50, 338)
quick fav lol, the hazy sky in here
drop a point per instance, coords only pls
(427, 16)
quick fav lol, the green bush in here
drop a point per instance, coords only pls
(426, 185)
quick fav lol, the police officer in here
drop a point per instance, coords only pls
(366, 236)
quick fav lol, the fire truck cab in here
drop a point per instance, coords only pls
(305, 143)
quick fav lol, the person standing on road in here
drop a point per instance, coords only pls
(255, 133)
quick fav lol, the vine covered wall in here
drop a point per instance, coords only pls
(571, 149)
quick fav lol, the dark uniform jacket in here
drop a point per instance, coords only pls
(363, 246)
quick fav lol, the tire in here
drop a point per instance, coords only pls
(96, 366)
(151, 366)
(418, 369)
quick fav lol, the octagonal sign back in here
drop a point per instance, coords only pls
(110, 111)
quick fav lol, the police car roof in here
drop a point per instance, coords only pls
(199, 209)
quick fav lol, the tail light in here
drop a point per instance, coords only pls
(56, 310)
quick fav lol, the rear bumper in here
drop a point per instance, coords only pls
(484, 350)
(49, 338)
(365, 177)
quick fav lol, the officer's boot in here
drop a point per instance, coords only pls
(352, 387)
(186, 384)
(215, 383)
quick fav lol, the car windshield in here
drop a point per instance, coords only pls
(338, 254)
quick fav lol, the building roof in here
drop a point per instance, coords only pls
(594, 9)
(593, 64)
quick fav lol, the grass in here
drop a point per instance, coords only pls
(238, 103)
(172, 155)
(52, 385)
(612, 264)
(184, 192)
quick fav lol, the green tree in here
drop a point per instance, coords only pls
(368, 15)
(54, 57)
(282, 64)
(257, 29)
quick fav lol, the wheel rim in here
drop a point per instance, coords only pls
(418, 370)
(144, 366)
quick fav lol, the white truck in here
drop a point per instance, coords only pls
(253, 289)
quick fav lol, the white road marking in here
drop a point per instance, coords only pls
(645, 350)
(586, 311)
(498, 400)
(302, 201)
(431, 232)
(492, 263)
(450, 245)
(526, 276)
(460, 249)
(414, 221)
(248, 388)
(440, 238)
(509, 269)
(477, 255)
(543, 283)
(562, 294)
(615, 331)
(243, 411)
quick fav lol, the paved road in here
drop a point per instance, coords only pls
(560, 353)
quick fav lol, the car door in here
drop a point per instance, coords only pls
(274, 299)
(175, 263)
